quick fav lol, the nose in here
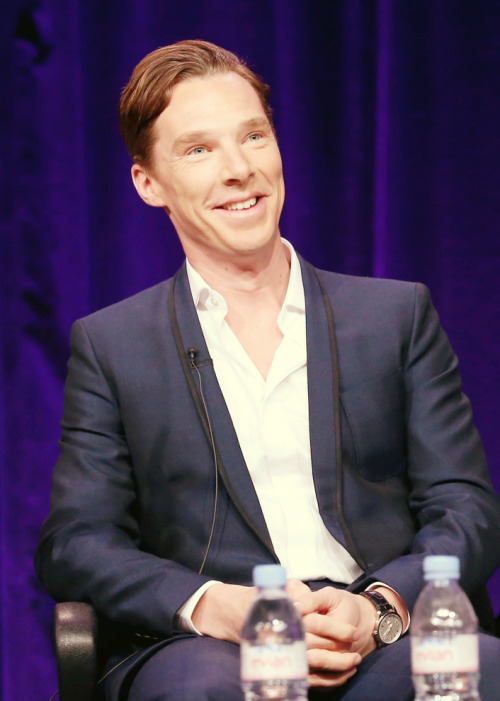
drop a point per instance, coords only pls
(236, 166)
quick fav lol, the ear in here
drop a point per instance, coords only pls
(146, 186)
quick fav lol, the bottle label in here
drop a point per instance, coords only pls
(259, 662)
(448, 654)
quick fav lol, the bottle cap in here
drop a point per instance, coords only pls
(269, 576)
(441, 567)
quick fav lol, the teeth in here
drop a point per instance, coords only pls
(242, 205)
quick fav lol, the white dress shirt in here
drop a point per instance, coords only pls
(271, 420)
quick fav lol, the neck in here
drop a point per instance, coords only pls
(254, 290)
(249, 280)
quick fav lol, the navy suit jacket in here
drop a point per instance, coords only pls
(133, 490)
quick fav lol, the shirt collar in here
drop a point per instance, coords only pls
(294, 298)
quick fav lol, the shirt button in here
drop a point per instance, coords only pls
(215, 301)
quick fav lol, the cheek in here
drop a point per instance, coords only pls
(195, 186)
(187, 210)
(182, 195)
(275, 167)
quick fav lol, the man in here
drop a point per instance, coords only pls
(256, 410)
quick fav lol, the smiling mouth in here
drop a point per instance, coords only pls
(252, 201)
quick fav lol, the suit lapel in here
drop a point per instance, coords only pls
(232, 467)
(320, 391)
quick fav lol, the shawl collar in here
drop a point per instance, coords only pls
(232, 467)
(320, 392)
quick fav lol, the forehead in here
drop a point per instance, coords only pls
(210, 103)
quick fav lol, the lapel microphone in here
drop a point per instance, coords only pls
(192, 352)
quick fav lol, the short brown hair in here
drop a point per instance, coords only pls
(149, 89)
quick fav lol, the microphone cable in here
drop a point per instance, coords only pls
(192, 351)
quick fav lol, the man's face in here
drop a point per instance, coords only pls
(216, 168)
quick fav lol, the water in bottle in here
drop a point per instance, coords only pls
(444, 640)
(273, 651)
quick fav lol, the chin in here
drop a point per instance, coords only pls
(254, 240)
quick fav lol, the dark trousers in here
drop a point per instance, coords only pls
(204, 669)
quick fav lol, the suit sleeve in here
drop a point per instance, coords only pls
(451, 498)
(90, 545)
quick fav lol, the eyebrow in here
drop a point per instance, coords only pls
(200, 135)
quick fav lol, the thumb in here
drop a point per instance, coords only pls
(323, 600)
(297, 590)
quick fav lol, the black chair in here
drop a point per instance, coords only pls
(84, 640)
(81, 641)
(78, 650)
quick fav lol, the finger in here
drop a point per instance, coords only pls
(330, 627)
(296, 589)
(321, 660)
(333, 679)
(316, 641)
(324, 599)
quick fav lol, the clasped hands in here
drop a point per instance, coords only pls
(339, 625)
(339, 631)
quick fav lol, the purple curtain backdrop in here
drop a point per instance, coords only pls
(388, 118)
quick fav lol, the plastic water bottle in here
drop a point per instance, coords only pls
(273, 650)
(444, 640)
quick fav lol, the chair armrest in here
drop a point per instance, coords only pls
(75, 643)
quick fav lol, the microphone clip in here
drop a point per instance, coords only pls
(192, 352)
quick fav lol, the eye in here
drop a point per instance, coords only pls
(197, 151)
(257, 136)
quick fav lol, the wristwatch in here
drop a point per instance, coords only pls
(389, 625)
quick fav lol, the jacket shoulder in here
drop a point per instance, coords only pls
(132, 312)
(369, 285)
(367, 296)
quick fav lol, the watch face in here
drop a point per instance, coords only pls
(390, 628)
